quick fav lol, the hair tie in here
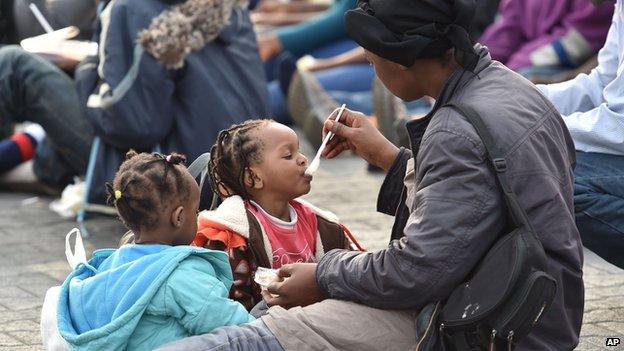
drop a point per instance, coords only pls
(168, 159)
(117, 195)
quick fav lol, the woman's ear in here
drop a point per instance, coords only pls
(177, 217)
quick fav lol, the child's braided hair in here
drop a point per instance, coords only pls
(143, 186)
(231, 155)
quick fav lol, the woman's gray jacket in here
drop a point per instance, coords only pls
(449, 207)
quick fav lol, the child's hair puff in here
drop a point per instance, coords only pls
(143, 186)
(231, 156)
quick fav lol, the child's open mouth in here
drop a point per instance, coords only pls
(307, 177)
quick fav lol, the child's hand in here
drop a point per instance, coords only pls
(299, 289)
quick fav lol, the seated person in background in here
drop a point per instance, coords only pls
(168, 76)
(258, 168)
(592, 106)
(547, 37)
(156, 289)
(173, 76)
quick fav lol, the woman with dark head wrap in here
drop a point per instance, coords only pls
(404, 31)
(449, 209)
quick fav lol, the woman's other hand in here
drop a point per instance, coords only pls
(297, 287)
(355, 132)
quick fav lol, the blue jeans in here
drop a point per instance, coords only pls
(531, 71)
(32, 89)
(346, 79)
(599, 204)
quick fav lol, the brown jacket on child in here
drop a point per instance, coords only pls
(234, 229)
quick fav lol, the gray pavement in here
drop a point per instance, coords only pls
(32, 254)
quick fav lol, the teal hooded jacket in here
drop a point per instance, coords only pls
(142, 296)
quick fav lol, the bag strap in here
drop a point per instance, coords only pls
(79, 255)
(200, 167)
(498, 162)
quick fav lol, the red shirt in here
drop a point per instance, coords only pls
(293, 241)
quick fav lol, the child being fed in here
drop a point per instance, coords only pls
(259, 171)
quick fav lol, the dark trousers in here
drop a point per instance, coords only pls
(32, 89)
(599, 204)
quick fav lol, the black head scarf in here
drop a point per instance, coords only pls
(403, 31)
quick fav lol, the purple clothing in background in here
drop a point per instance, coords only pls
(548, 32)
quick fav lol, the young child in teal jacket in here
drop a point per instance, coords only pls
(156, 289)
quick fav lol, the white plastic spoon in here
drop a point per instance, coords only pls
(317, 158)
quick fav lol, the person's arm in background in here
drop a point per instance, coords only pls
(504, 36)
(580, 35)
(132, 107)
(281, 19)
(353, 56)
(301, 38)
(290, 7)
(582, 102)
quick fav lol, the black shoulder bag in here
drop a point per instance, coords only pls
(508, 291)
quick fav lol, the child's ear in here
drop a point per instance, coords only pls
(177, 217)
(253, 180)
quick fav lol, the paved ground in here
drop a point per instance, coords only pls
(32, 254)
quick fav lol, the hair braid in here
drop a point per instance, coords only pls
(144, 185)
(231, 155)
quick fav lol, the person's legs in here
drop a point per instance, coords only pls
(342, 325)
(32, 89)
(277, 103)
(352, 78)
(254, 336)
(350, 84)
(357, 101)
(280, 70)
(599, 204)
(20, 147)
(328, 325)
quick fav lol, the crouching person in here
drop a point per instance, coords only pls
(449, 208)
(156, 289)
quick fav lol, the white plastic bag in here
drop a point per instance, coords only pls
(79, 255)
(71, 200)
(52, 339)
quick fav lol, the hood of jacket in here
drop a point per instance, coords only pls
(102, 301)
(186, 27)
